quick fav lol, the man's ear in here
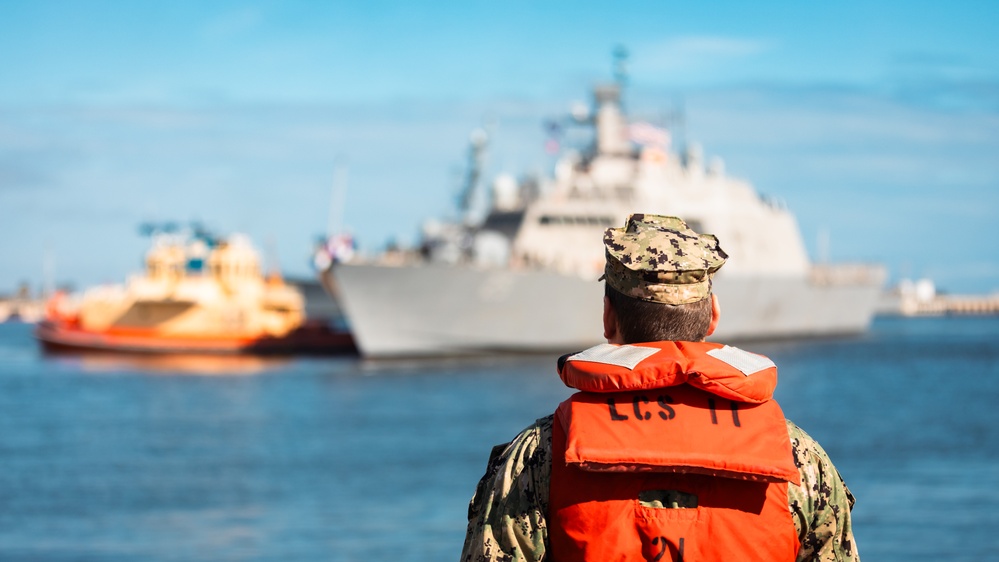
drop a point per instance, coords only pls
(715, 314)
(610, 322)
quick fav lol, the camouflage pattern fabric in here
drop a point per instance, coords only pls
(659, 259)
(506, 517)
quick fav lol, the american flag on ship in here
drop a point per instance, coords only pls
(647, 134)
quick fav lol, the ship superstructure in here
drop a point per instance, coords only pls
(532, 284)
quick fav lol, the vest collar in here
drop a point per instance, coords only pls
(725, 371)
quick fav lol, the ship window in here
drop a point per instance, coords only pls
(579, 220)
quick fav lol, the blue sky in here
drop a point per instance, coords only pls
(877, 122)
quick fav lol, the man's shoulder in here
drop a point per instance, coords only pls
(507, 512)
(806, 449)
(814, 466)
(821, 504)
(822, 488)
(530, 448)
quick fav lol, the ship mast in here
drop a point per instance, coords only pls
(476, 151)
(620, 67)
(611, 124)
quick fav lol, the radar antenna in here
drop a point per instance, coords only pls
(621, 66)
(476, 151)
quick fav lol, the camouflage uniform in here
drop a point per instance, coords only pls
(657, 259)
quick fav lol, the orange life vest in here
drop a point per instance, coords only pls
(671, 451)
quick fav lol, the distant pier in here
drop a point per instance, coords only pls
(921, 299)
(951, 304)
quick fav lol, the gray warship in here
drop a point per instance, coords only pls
(525, 277)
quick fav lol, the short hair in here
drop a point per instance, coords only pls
(644, 321)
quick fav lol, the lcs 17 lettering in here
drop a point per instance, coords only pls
(642, 407)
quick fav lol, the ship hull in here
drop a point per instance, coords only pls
(435, 309)
(310, 338)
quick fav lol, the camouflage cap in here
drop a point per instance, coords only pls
(659, 259)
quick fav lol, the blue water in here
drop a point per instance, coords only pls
(312, 459)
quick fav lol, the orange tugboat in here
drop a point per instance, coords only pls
(198, 294)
